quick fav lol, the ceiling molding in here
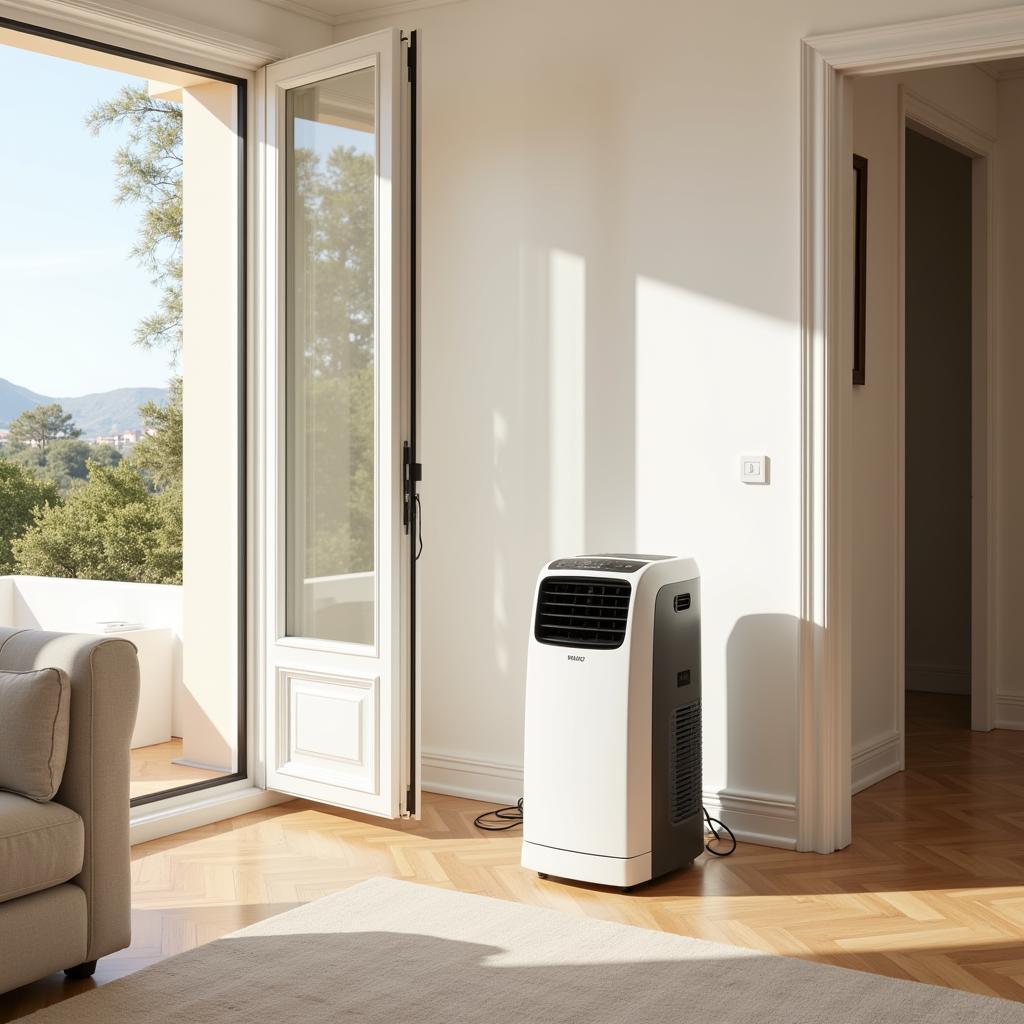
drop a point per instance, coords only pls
(958, 39)
(294, 7)
(128, 25)
(388, 9)
(365, 12)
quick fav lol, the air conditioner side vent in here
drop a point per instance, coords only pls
(685, 783)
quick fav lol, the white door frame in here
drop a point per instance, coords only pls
(824, 801)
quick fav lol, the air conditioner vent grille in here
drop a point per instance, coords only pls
(582, 612)
(685, 783)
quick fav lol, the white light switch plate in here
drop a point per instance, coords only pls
(754, 469)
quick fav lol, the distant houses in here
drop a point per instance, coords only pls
(123, 440)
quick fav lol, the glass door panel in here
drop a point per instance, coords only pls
(330, 358)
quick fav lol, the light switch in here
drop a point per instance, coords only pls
(754, 469)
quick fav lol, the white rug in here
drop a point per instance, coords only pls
(387, 952)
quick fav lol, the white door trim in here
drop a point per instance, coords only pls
(824, 801)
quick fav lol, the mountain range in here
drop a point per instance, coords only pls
(105, 412)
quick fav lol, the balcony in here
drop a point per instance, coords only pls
(175, 742)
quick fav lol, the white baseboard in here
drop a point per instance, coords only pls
(1009, 711)
(472, 779)
(193, 810)
(753, 817)
(875, 762)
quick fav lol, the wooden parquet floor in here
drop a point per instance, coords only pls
(931, 889)
(155, 768)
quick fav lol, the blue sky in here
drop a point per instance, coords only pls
(70, 296)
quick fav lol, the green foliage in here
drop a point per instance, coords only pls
(159, 455)
(21, 495)
(148, 173)
(334, 228)
(41, 425)
(112, 528)
(120, 520)
(64, 462)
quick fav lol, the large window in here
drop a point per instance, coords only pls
(121, 450)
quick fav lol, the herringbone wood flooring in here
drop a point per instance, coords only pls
(932, 887)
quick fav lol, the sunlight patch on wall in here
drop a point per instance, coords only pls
(567, 406)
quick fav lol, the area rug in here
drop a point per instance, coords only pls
(388, 952)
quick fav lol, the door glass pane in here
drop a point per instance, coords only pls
(329, 304)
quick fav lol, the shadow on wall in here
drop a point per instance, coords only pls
(759, 649)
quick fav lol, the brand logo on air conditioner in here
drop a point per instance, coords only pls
(577, 657)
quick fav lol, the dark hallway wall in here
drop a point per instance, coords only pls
(938, 416)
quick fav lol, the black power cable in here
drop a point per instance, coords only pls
(504, 818)
(711, 823)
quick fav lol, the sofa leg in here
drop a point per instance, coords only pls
(86, 970)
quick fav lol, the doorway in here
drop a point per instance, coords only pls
(937, 429)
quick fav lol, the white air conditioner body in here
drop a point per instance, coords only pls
(612, 789)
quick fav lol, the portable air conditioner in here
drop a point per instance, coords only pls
(612, 790)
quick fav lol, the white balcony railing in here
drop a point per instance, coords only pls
(90, 606)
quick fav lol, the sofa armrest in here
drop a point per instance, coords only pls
(104, 674)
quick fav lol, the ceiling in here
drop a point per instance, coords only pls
(336, 12)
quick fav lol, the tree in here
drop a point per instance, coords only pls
(41, 425)
(335, 207)
(148, 172)
(159, 455)
(65, 462)
(22, 496)
(112, 528)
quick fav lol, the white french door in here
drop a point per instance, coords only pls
(338, 714)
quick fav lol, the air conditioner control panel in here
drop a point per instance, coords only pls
(598, 563)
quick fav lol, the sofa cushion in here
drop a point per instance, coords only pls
(41, 845)
(35, 711)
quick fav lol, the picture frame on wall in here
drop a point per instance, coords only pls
(860, 266)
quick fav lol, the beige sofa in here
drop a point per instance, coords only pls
(65, 866)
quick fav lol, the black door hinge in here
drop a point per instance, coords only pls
(412, 474)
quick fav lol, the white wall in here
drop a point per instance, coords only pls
(610, 280)
(211, 449)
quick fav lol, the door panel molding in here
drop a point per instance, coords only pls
(327, 728)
